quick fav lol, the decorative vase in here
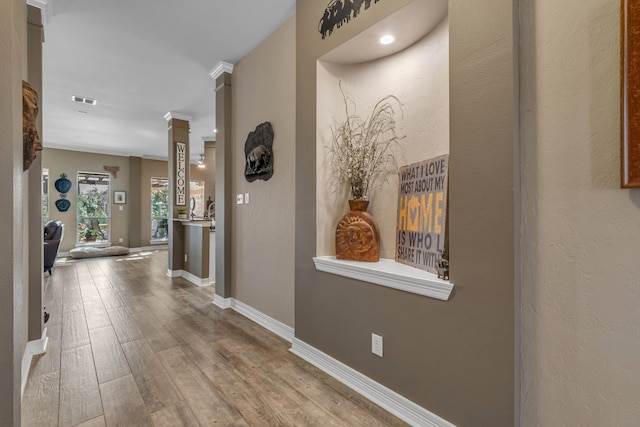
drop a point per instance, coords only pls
(357, 234)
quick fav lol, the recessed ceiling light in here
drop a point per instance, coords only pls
(215, 131)
(388, 39)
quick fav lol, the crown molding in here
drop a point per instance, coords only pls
(42, 5)
(221, 67)
(209, 138)
(175, 115)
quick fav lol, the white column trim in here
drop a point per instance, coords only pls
(38, 346)
(174, 273)
(195, 279)
(175, 115)
(222, 302)
(220, 68)
(42, 5)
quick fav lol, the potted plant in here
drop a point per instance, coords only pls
(361, 152)
(88, 233)
(182, 212)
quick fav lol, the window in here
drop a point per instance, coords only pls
(93, 207)
(159, 208)
(45, 196)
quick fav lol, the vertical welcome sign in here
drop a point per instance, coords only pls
(422, 213)
(181, 173)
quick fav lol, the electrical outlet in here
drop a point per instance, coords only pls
(376, 344)
(185, 257)
(121, 240)
(239, 199)
(121, 208)
(246, 198)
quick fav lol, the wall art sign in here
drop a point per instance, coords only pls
(120, 197)
(258, 151)
(31, 142)
(630, 94)
(340, 12)
(181, 173)
(422, 213)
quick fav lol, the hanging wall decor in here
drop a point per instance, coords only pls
(340, 12)
(113, 170)
(258, 152)
(30, 139)
(422, 215)
(63, 205)
(181, 174)
(62, 184)
(630, 88)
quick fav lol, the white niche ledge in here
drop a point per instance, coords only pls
(389, 273)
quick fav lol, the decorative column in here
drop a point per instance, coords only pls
(135, 202)
(178, 173)
(37, 332)
(223, 197)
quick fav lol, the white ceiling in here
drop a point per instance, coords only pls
(141, 59)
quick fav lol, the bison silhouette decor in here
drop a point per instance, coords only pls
(258, 151)
(340, 12)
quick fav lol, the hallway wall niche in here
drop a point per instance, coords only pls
(418, 75)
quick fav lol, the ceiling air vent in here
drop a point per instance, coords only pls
(84, 100)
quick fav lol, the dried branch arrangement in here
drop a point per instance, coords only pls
(362, 151)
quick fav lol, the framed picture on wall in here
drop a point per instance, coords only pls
(630, 94)
(119, 197)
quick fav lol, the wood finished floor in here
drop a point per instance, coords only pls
(129, 346)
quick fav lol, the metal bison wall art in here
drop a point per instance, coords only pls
(258, 152)
(339, 12)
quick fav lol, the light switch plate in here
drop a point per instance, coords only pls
(246, 198)
(239, 199)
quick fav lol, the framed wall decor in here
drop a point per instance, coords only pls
(119, 197)
(630, 93)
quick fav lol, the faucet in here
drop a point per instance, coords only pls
(211, 211)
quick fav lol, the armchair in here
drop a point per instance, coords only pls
(53, 234)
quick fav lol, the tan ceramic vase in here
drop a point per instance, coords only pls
(357, 234)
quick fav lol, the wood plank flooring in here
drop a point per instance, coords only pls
(129, 346)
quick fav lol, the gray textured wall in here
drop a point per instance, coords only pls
(454, 358)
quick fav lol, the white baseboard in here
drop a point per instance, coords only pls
(267, 322)
(275, 326)
(190, 277)
(174, 273)
(195, 279)
(33, 347)
(386, 398)
(222, 302)
(155, 247)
